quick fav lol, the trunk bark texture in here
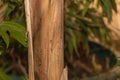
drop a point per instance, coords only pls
(47, 37)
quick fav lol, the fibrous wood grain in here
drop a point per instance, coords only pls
(47, 35)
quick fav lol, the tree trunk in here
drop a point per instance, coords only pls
(47, 37)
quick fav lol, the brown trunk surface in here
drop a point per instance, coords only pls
(47, 30)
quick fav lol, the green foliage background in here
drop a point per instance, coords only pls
(80, 23)
(13, 40)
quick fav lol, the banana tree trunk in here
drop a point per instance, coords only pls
(45, 29)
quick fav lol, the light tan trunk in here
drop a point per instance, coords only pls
(47, 37)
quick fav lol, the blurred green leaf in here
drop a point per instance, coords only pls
(86, 6)
(107, 8)
(19, 37)
(5, 36)
(113, 5)
(3, 75)
(76, 78)
(118, 63)
(16, 30)
(70, 46)
(9, 9)
(97, 33)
